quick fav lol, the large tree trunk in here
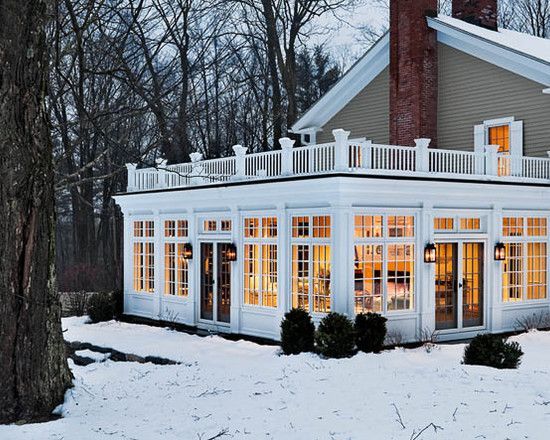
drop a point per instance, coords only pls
(34, 372)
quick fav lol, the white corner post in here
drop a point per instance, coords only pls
(341, 149)
(161, 173)
(196, 168)
(240, 166)
(287, 161)
(491, 160)
(131, 167)
(422, 154)
(366, 155)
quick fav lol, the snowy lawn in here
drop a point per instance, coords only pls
(250, 392)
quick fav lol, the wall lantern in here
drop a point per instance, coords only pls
(430, 253)
(187, 253)
(231, 252)
(500, 252)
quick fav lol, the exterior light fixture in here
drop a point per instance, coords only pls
(187, 253)
(231, 252)
(430, 253)
(500, 252)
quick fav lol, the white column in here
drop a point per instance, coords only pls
(287, 161)
(493, 284)
(422, 154)
(131, 167)
(161, 173)
(341, 264)
(491, 160)
(425, 294)
(284, 295)
(366, 155)
(128, 250)
(240, 153)
(341, 149)
(159, 267)
(236, 272)
(197, 169)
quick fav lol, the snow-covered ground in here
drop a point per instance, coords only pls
(250, 392)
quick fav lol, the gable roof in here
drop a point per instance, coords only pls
(519, 53)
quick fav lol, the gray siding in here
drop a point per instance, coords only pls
(366, 115)
(472, 91)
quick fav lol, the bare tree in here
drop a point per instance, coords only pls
(35, 374)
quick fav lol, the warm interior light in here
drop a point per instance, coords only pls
(231, 253)
(430, 253)
(187, 252)
(500, 252)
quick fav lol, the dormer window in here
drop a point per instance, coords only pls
(500, 135)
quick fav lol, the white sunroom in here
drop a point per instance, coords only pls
(442, 241)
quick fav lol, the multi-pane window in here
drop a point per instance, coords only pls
(311, 263)
(500, 135)
(384, 263)
(176, 269)
(456, 224)
(444, 224)
(524, 272)
(470, 224)
(260, 261)
(144, 256)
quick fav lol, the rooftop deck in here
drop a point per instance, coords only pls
(356, 156)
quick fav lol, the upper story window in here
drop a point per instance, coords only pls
(500, 135)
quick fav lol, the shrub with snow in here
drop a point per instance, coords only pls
(370, 332)
(297, 332)
(493, 351)
(335, 336)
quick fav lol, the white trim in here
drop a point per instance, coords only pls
(481, 134)
(355, 79)
(546, 91)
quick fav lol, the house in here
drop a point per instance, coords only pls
(422, 193)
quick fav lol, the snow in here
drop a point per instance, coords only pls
(95, 356)
(251, 392)
(528, 44)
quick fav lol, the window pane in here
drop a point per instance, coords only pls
(368, 226)
(300, 227)
(210, 226)
(500, 136)
(226, 225)
(536, 270)
(169, 268)
(269, 275)
(401, 226)
(444, 224)
(138, 229)
(269, 227)
(368, 278)
(149, 229)
(400, 276)
(300, 276)
(321, 278)
(251, 227)
(512, 273)
(138, 268)
(321, 226)
(149, 267)
(512, 226)
(537, 227)
(183, 272)
(470, 224)
(251, 274)
(183, 228)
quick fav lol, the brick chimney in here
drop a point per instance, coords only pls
(479, 12)
(413, 72)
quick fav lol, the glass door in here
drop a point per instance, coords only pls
(459, 285)
(215, 301)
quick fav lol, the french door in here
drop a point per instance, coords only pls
(459, 285)
(215, 300)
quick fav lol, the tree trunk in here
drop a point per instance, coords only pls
(34, 370)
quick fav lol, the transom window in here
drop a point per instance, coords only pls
(458, 224)
(176, 267)
(144, 256)
(524, 272)
(211, 226)
(260, 261)
(311, 263)
(384, 266)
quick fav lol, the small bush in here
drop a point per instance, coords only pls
(77, 303)
(101, 307)
(370, 332)
(493, 351)
(335, 336)
(297, 332)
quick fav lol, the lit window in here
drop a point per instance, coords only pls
(500, 135)
(226, 225)
(260, 261)
(524, 273)
(311, 263)
(210, 226)
(183, 228)
(368, 226)
(444, 224)
(470, 224)
(401, 226)
(176, 271)
(384, 264)
(144, 256)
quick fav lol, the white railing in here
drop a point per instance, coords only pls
(342, 156)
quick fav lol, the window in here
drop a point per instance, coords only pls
(524, 273)
(458, 224)
(260, 261)
(176, 267)
(444, 224)
(209, 226)
(311, 263)
(384, 263)
(500, 135)
(470, 224)
(144, 256)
